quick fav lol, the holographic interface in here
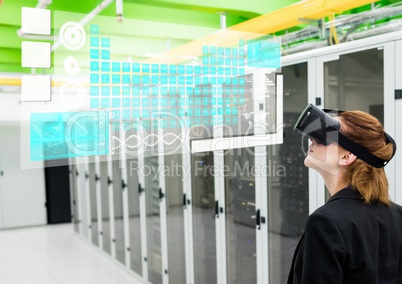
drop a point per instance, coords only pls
(154, 89)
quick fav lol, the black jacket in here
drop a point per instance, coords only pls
(347, 241)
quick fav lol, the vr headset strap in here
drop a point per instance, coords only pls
(359, 151)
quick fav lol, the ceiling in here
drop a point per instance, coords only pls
(204, 15)
(172, 23)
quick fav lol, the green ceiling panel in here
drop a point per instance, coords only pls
(9, 37)
(15, 67)
(10, 56)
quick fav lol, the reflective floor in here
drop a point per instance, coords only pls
(55, 255)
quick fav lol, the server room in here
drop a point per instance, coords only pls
(154, 142)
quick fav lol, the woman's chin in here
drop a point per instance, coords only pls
(319, 166)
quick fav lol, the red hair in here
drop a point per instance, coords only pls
(365, 130)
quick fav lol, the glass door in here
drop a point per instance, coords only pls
(203, 209)
(134, 215)
(104, 178)
(175, 218)
(241, 216)
(153, 222)
(287, 178)
(74, 195)
(118, 210)
(93, 203)
(355, 81)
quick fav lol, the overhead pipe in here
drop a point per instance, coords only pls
(222, 20)
(354, 21)
(119, 10)
(385, 28)
(290, 16)
(389, 27)
(360, 18)
(42, 4)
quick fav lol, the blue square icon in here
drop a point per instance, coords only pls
(105, 42)
(136, 67)
(155, 79)
(145, 79)
(145, 102)
(126, 102)
(136, 91)
(155, 102)
(172, 69)
(145, 67)
(136, 102)
(105, 103)
(94, 54)
(136, 113)
(105, 54)
(94, 103)
(105, 90)
(94, 29)
(125, 79)
(212, 50)
(115, 103)
(116, 91)
(189, 69)
(116, 79)
(94, 66)
(105, 66)
(164, 68)
(136, 79)
(116, 67)
(94, 91)
(125, 67)
(126, 90)
(105, 78)
(155, 68)
(126, 114)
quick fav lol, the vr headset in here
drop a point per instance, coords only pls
(316, 124)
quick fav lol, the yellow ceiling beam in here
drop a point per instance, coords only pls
(17, 82)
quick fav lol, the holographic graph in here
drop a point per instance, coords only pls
(229, 82)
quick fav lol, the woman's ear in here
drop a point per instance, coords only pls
(347, 158)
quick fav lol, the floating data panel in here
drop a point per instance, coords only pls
(217, 91)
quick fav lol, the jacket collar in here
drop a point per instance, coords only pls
(348, 192)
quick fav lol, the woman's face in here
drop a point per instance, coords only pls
(324, 159)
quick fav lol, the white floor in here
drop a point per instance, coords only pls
(55, 255)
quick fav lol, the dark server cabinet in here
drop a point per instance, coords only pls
(243, 201)
(57, 183)
(294, 196)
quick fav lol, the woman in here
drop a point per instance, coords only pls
(356, 237)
